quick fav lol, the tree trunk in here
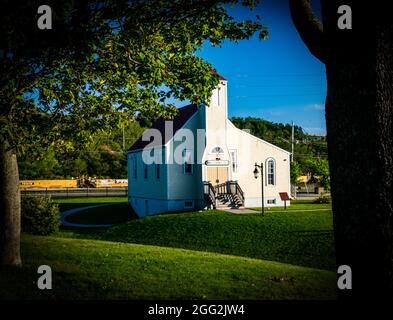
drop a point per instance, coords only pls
(9, 207)
(359, 118)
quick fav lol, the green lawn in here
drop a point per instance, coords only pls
(299, 238)
(90, 269)
(194, 255)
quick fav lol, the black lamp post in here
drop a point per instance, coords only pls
(256, 177)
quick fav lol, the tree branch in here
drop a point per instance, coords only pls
(308, 26)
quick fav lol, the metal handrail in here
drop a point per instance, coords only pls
(221, 188)
(209, 192)
(230, 187)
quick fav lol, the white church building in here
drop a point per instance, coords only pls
(201, 160)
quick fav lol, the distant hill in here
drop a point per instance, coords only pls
(279, 134)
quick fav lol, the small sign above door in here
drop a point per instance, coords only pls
(216, 162)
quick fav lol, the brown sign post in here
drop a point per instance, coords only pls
(284, 197)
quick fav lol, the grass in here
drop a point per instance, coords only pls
(108, 214)
(91, 269)
(299, 238)
(72, 203)
(194, 255)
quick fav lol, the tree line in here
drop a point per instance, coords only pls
(104, 153)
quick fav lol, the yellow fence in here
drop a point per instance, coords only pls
(99, 183)
(26, 184)
(111, 183)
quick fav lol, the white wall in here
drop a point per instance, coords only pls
(152, 187)
(251, 150)
(182, 186)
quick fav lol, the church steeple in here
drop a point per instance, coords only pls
(217, 115)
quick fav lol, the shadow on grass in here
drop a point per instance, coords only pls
(111, 213)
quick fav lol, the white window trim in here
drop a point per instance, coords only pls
(236, 165)
(216, 146)
(274, 172)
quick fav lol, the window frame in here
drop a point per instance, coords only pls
(233, 160)
(192, 206)
(145, 172)
(271, 174)
(134, 168)
(217, 147)
(185, 164)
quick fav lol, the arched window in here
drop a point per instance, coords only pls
(217, 149)
(270, 172)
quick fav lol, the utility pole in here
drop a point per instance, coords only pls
(292, 140)
(124, 141)
(293, 187)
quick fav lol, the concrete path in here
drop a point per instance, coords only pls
(65, 214)
(247, 211)
(237, 211)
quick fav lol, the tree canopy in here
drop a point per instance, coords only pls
(100, 64)
(105, 61)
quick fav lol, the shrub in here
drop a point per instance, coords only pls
(40, 215)
(323, 199)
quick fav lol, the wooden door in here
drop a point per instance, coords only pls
(217, 175)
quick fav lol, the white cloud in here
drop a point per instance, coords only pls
(315, 130)
(316, 106)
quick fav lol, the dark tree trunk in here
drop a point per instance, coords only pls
(359, 117)
(9, 207)
(359, 125)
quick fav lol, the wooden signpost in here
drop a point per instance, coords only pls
(284, 197)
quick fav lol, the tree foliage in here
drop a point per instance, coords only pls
(102, 156)
(102, 63)
(295, 172)
(319, 168)
(105, 61)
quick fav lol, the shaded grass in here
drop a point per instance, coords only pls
(299, 238)
(89, 269)
(108, 214)
(72, 203)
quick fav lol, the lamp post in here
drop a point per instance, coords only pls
(256, 172)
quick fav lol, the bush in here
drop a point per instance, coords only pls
(323, 199)
(40, 215)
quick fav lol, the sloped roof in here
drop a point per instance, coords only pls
(219, 76)
(179, 120)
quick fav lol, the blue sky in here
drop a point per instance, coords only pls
(276, 79)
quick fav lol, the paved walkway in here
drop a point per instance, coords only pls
(238, 211)
(247, 211)
(65, 214)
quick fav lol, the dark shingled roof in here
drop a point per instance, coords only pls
(179, 120)
(219, 76)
